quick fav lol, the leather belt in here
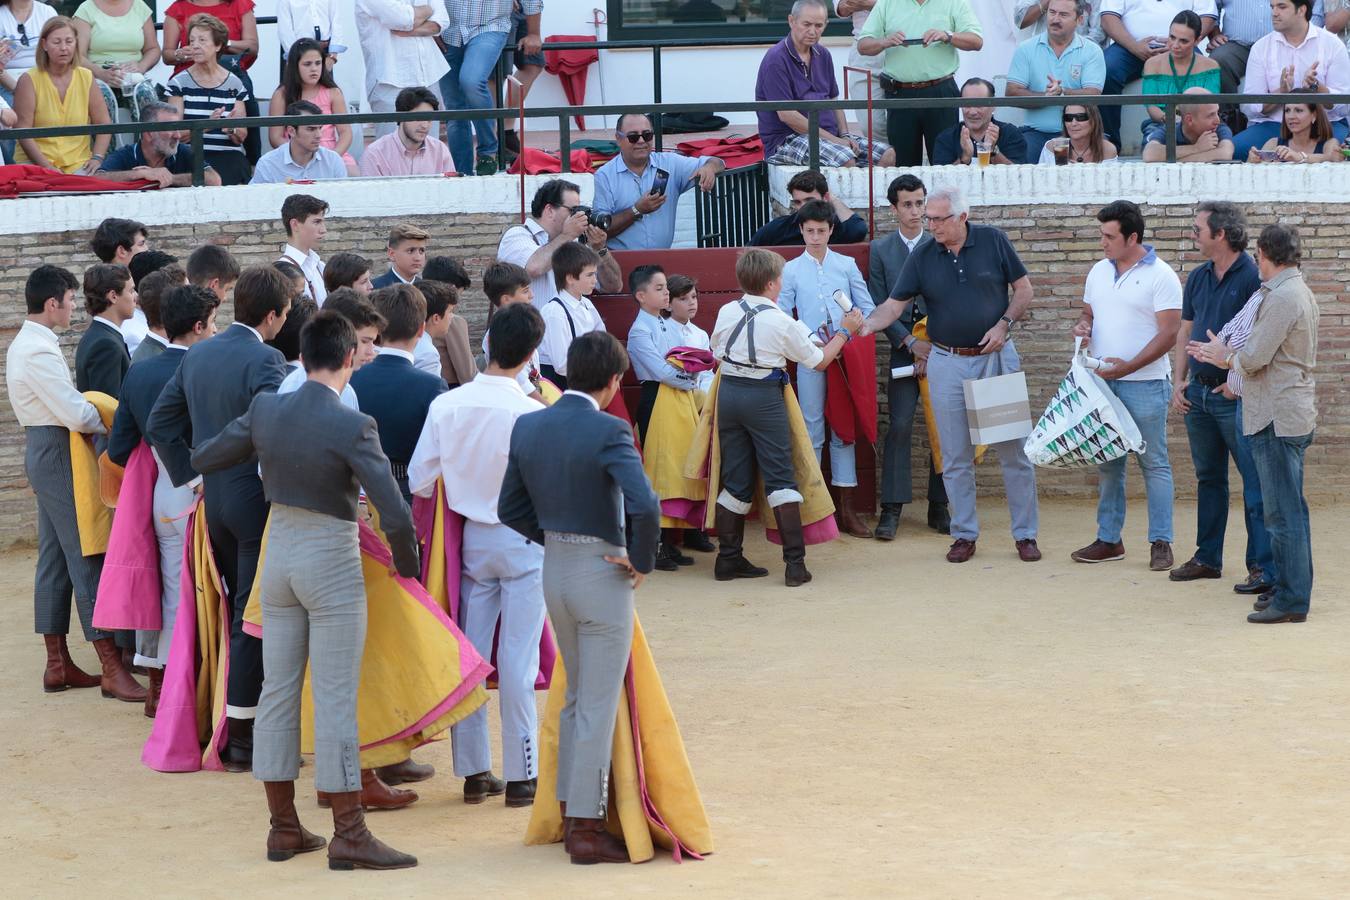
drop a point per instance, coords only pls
(890, 85)
(1209, 380)
(959, 351)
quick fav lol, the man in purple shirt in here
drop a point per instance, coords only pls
(798, 68)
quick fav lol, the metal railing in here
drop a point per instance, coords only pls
(735, 209)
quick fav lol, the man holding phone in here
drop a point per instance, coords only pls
(635, 187)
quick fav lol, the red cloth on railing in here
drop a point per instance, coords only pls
(570, 66)
(732, 149)
(29, 179)
(851, 392)
(541, 162)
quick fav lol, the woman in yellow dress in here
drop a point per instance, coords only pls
(59, 91)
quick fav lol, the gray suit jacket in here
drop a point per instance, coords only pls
(317, 454)
(574, 469)
(149, 348)
(886, 257)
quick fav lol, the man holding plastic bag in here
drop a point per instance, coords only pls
(966, 274)
(1132, 312)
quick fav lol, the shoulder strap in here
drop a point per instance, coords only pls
(746, 324)
(572, 325)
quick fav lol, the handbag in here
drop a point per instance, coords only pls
(1085, 424)
(997, 406)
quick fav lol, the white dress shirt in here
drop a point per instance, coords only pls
(465, 440)
(558, 334)
(299, 18)
(135, 329)
(517, 246)
(1273, 54)
(778, 338)
(297, 376)
(523, 376)
(399, 62)
(41, 390)
(690, 335)
(312, 266)
(151, 336)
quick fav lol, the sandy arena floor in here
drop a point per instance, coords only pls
(901, 728)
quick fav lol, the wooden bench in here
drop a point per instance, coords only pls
(715, 271)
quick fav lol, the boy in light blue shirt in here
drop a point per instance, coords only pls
(809, 284)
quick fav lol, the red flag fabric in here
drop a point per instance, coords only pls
(570, 66)
(733, 150)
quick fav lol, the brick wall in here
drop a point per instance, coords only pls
(1058, 244)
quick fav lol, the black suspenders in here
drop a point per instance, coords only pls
(746, 324)
(570, 324)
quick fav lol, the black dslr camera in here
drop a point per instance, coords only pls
(599, 220)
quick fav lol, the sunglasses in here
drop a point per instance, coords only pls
(23, 35)
(634, 137)
(1077, 117)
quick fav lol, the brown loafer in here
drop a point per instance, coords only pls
(1160, 556)
(961, 551)
(1099, 552)
(1027, 551)
(1192, 570)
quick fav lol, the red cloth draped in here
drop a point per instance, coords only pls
(570, 66)
(541, 162)
(29, 179)
(732, 150)
(851, 392)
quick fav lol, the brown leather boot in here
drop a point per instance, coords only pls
(156, 677)
(287, 837)
(789, 518)
(849, 519)
(587, 843)
(353, 846)
(375, 794)
(117, 682)
(61, 671)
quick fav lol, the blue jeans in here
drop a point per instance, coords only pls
(1122, 67)
(465, 86)
(1214, 426)
(843, 458)
(1147, 402)
(1279, 462)
(1257, 134)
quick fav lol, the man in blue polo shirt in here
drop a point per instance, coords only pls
(156, 156)
(1057, 62)
(1201, 134)
(798, 68)
(640, 199)
(1215, 293)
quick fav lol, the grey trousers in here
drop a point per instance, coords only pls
(152, 647)
(590, 603)
(314, 611)
(501, 596)
(61, 567)
(946, 375)
(1232, 60)
(752, 428)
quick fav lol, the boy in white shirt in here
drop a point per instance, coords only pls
(683, 308)
(505, 284)
(570, 314)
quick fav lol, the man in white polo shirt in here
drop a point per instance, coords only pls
(1131, 313)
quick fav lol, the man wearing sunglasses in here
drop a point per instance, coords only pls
(634, 187)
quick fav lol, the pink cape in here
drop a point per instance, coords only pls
(129, 588)
(424, 518)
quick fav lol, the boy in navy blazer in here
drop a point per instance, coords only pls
(101, 359)
(390, 388)
(573, 477)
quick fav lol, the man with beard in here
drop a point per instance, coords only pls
(157, 156)
(410, 149)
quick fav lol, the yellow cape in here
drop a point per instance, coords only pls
(920, 332)
(92, 517)
(669, 778)
(411, 664)
(213, 632)
(670, 432)
(705, 456)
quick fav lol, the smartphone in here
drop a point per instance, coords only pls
(660, 182)
(911, 42)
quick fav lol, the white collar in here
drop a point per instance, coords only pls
(755, 298)
(501, 382)
(175, 347)
(256, 333)
(109, 322)
(399, 276)
(154, 337)
(908, 242)
(589, 399)
(295, 364)
(565, 296)
(292, 252)
(42, 331)
(395, 351)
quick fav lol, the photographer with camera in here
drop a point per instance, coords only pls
(634, 187)
(557, 218)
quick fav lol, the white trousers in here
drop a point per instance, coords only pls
(501, 594)
(170, 503)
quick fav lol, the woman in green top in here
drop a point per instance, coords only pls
(119, 45)
(1180, 68)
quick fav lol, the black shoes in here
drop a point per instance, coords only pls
(478, 788)
(939, 518)
(888, 522)
(521, 793)
(1255, 584)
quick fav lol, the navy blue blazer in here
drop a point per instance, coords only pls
(140, 389)
(101, 359)
(574, 469)
(397, 396)
(213, 386)
(389, 278)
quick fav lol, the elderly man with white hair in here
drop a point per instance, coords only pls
(976, 289)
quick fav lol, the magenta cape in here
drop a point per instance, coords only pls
(129, 588)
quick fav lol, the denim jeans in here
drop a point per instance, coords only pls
(465, 86)
(1122, 67)
(1279, 463)
(1147, 402)
(1214, 426)
(843, 459)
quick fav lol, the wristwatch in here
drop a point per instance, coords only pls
(603, 252)
(949, 37)
(1009, 321)
(637, 216)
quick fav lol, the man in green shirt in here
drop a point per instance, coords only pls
(919, 39)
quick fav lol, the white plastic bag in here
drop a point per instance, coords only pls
(1085, 424)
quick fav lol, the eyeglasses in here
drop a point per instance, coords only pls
(634, 137)
(23, 35)
(938, 220)
(1077, 117)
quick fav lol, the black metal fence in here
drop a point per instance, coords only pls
(730, 214)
